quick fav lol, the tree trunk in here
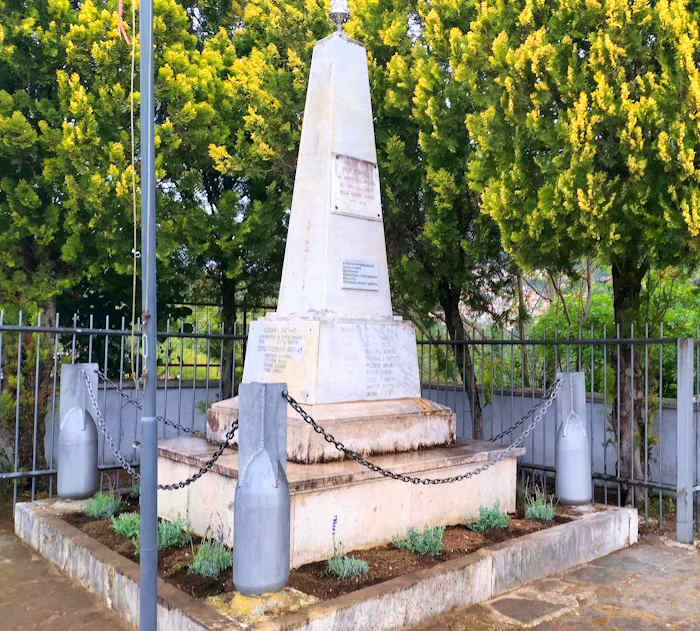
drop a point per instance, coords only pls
(627, 287)
(228, 295)
(463, 358)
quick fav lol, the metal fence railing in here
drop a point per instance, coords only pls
(631, 397)
(196, 366)
(631, 385)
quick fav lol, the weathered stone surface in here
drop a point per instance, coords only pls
(525, 610)
(371, 509)
(368, 427)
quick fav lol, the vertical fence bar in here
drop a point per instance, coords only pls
(220, 394)
(52, 437)
(646, 422)
(167, 371)
(105, 370)
(73, 341)
(591, 427)
(605, 412)
(632, 487)
(617, 383)
(121, 381)
(685, 442)
(18, 394)
(660, 428)
(206, 389)
(194, 374)
(37, 367)
(179, 379)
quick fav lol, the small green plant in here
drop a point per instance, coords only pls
(102, 505)
(489, 518)
(212, 556)
(343, 567)
(173, 534)
(211, 559)
(539, 506)
(340, 565)
(127, 525)
(423, 543)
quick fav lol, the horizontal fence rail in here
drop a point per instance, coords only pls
(631, 390)
(489, 382)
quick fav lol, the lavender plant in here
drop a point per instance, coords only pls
(540, 506)
(428, 542)
(340, 565)
(212, 556)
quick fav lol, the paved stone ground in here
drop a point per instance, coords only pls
(653, 585)
(34, 595)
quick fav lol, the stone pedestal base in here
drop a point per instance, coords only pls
(368, 427)
(371, 509)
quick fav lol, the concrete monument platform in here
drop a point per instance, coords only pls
(368, 427)
(371, 509)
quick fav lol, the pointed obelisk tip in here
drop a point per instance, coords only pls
(340, 13)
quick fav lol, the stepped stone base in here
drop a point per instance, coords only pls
(368, 427)
(371, 509)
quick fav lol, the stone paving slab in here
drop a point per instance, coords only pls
(35, 595)
(651, 586)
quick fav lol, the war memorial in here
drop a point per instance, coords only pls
(343, 354)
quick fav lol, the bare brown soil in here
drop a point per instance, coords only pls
(385, 562)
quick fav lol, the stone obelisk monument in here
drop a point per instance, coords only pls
(346, 358)
(334, 338)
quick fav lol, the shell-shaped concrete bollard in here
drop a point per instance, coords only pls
(77, 455)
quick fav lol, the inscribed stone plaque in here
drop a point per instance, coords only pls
(356, 188)
(362, 275)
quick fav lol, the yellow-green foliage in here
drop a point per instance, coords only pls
(586, 126)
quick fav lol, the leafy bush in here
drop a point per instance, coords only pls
(102, 505)
(423, 543)
(211, 559)
(346, 567)
(490, 518)
(173, 534)
(539, 506)
(127, 525)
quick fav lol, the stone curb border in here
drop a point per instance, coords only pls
(401, 602)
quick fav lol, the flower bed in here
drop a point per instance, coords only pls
(384, 562)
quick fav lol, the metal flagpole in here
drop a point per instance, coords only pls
(148, 553)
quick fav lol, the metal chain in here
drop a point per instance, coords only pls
(524, 418)
(126, 465)
(139, 406)
(505, 453)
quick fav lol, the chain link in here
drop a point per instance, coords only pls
(538, 415)
(530, 412)
(125, 464)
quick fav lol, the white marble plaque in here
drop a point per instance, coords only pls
(355, 189)
(362, 275)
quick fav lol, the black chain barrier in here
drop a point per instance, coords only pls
(124, 463)
(537, 413)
